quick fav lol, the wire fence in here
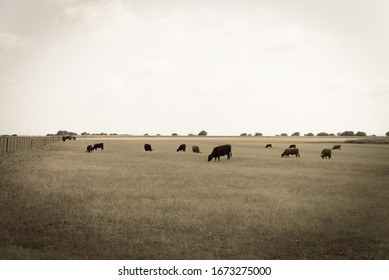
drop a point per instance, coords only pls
(16, 143)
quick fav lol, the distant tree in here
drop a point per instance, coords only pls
(331, 134)
(103, 133)
(174, 134)
(243, 134)
(146, 134)
(72, 133)
(309, 134)
(203, 133)
(360, 133)
(114, 134)
(85, 133)
(322, 134)
(284, 134)
(62, 132)
(258, 134)
(347, 133)
(387, 133)
(296, 134)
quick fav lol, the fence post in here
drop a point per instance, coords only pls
(6, 147)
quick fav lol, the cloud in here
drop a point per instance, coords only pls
(377, 88)
(9, 42)
(112, 83)
(97, 14)
(292, 37)
(362, 87)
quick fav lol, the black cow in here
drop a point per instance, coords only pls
(292, 146)
(182, 147)
(148, 148)
(268, 146)
(220, 151)
(64, 138)
(89, 149)
(196, 149)
(290, 151)
(98, 145)
(326, 153)
(336, 147)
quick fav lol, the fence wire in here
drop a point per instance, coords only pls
(16, 143)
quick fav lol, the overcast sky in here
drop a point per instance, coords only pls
(163, 67)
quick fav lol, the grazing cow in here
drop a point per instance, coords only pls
(74, 138)
(326, 153)
(98, 145)
(290, 151)
(220, 151)
(182, 147)
(64, 138)
(196, 149)
(292, 146)
(268, 146)
(336, 147)
(89, 149)
(148, 148)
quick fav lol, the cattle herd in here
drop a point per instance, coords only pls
(225, 150)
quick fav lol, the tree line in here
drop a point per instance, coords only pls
(205, 133)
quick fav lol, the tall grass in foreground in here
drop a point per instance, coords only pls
(125, 203)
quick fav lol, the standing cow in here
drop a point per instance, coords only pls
(182, 147)
(291, 151)
(326, 153)
(148, 148)
(336, 147)
(220, 151)
(196, 149)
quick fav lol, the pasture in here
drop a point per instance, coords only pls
(59, 202)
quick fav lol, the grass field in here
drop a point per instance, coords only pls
(60, 202)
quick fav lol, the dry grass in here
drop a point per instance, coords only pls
(124, 203)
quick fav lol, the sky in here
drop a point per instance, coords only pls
(175, 66)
